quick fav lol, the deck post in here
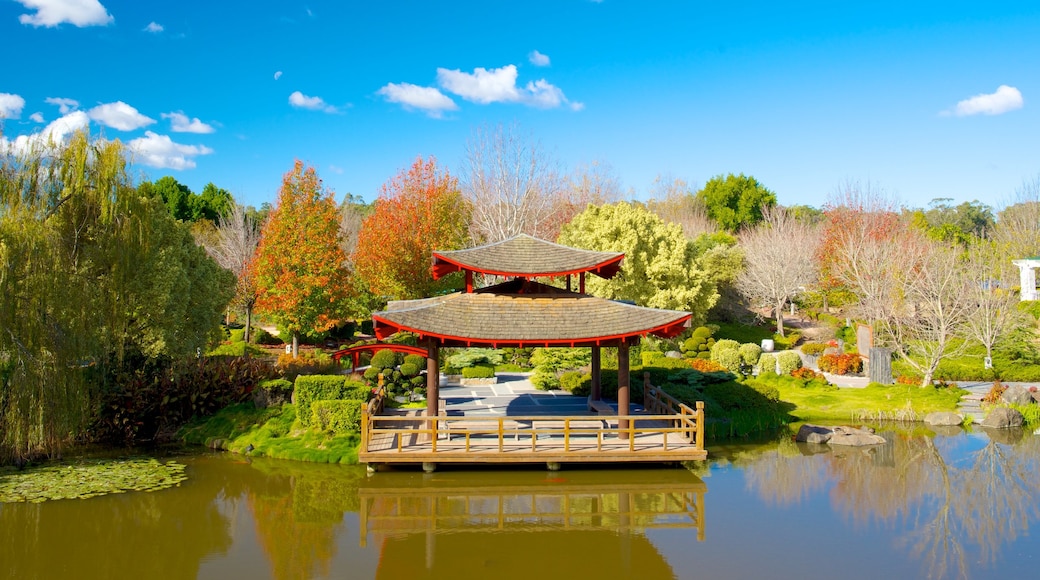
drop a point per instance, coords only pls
(433, 378)
(597, 389)
(623, 390)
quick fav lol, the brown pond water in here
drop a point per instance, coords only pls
(943, 505)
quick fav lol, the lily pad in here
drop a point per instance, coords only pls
(86, 479)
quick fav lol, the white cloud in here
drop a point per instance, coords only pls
(482, 86)
(54, 12)
(1005, 99)
(302, 101)
(54, 133)
(538, 59)
(11, 106)
(336, 169)
(119, 115)
(180, 123)
(412, 96)
(160, 151)
(65, 106)
(154, 28)
(277, 75)
(499, 86)
(36, 117)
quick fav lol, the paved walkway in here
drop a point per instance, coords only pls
(512, 395)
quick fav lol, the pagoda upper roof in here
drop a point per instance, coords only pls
(525, 256)
(525, 313)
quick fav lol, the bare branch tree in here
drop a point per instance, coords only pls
(233, 248)
(1017, 231)
(994, 312)
(512, 184)
(673, 201)
(779, 256)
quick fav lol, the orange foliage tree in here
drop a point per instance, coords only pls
(300, 267)
(419, 210)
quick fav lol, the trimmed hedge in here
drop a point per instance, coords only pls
(749, 353)
(788, 360)
(813, 348)
(726, 352)
(272, 392)
(340, 416)
(480, 371)
(767, 363)
(311, 388)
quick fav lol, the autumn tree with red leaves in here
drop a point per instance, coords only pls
(419, 210)
(300, 267)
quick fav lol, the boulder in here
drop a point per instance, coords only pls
(1003, 418)
(1036, 395)
(813, 434)
(853, 437)
(673, 354)
(1017, 395)
(943, 418)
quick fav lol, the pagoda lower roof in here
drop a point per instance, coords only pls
(525, 256)
(523, 313)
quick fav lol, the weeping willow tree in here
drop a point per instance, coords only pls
(89, 272)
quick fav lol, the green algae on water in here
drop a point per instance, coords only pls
(86, 479)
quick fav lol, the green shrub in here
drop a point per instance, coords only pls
(415, 359)
(480, 371)
(788, 360)
(545, 380)
(767, 363)
(474, 356)
(648, 357)
(409, 370)
(1031, 307)
(813, 348)
(237, 335)
(310, 388)
(749, 354)
(573, 382)
(508, 368)
(235, 349)
(338, 416)
(726, 352)
(385, 359)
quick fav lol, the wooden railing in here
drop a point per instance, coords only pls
(659, 402)
(566, 434)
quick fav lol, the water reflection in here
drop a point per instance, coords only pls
(944, 494)
(523, 524)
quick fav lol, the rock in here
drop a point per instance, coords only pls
(813, 434)
(943, 418)
(855, 437)
(1036, 396)
(1003, 418)
(249, 449)
(673, 354)
(1017, 395)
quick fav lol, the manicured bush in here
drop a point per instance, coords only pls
(414, 359)
(409, 370)
(767, 363)
(813, 348)
(726, 352)
(385, 359)
(572, 381)
(841, 364)
(788, 360)
(236, 349)
(806, 373)
(310, 388)
(237, 335)
(474, 356)
(545, 380)
(700, 342)
(338, 416)
(749, 354)
(480, 371)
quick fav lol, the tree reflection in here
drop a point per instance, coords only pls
(956, 502)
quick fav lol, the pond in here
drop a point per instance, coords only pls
(940, 505)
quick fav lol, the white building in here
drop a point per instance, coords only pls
(1027, 277)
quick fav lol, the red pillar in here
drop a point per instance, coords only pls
(623, 390)
(581, 283)
(469, 281)
(433, 378)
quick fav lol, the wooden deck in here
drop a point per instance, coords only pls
(668, 432)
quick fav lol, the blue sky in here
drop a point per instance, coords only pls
(925, 99)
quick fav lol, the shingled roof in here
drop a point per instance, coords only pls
(522, 255)
(524, 313)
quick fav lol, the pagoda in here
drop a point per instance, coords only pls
(522, 312)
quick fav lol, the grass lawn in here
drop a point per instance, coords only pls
(875, 402)
(273, 432)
